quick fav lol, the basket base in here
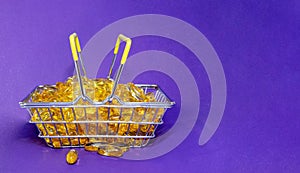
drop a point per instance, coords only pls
(81, 142)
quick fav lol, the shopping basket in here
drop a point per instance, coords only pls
(135, 124)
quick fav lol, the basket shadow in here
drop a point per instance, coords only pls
(28, 133)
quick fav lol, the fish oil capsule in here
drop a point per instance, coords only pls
(83, 141)
(112, 150)
(56, 143)
(72, 157)
(65, 141)
(90, 147)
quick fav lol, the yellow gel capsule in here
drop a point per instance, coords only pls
(91, 147)
(83, 141)
(72, 157)
(56, 143)
(112, 150)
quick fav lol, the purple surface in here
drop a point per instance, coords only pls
(258, 45)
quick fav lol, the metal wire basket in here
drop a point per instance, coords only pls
(93, 121)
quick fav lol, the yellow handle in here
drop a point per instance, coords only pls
(75, 46)
(127, 47)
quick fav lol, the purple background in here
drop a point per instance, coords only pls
(258, 45)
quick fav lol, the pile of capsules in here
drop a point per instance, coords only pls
(60, 122)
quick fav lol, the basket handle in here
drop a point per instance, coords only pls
(127, 47)
(75, 46)
(76, 53)
(128, 41)
(120, 38)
